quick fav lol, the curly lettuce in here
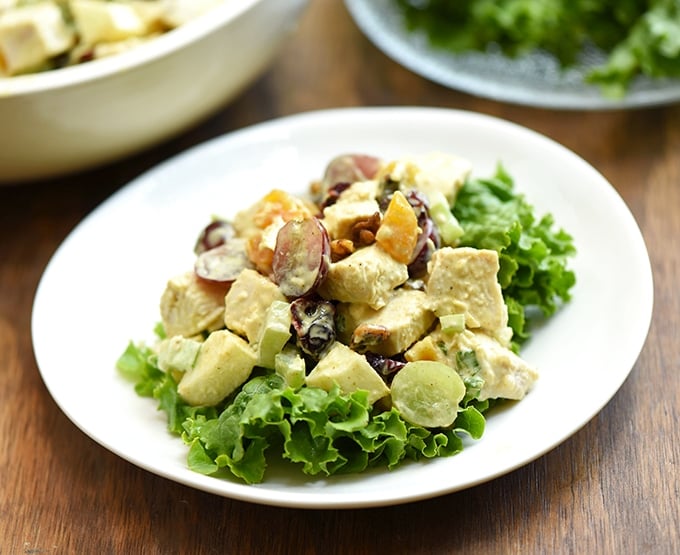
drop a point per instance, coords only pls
(637, 37)
(533, 255)
(323, 432)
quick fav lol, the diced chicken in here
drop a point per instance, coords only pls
(178, 12)
(32, 32)
(389, 330)
(247, 301)
(464, 281)
(368, 276)
(190, 305)
(434, 171)
(224, 362)
(340, 218)
(31, 35)
(361, 190)
(151, 13)
(505, 375)
(99, 22)
(244, 222)
(350, 371)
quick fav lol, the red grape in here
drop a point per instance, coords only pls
(216, 233)
(350, 168)
(301, 257)
(223, 263)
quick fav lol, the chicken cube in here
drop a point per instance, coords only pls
(430, 172)
(349, 370)
(505, 375)
(190, 305)
(368, 276)
(30, 35)
(246, 303)
(464, 281)
(100, 22)
(179, 12)
(389, 330)
(224, 362)
(340, 218)
(360, 190)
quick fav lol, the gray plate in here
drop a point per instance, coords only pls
(532, 80)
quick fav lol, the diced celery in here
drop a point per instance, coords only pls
(447, 224)
(177, 354)
(290, 365)
(275, 333)
(452, 323)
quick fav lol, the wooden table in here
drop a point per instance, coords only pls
(611, 488)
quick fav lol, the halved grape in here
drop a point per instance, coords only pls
(418, 201)
(223, 263)
(428, 240)
(427, 243)
(349, 168)
(427, 393)
(301, 257)
(216, 233)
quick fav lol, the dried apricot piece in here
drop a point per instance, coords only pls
(398, 232)
(278, 203)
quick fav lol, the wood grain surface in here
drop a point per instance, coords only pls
(613, 487)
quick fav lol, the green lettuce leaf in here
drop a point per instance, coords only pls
(137, 363)
(634, 37)
(324, 432)
(652, 47)
(533, 255)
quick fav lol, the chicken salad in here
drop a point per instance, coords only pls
(376, 321)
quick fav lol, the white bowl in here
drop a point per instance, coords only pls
(78, 117)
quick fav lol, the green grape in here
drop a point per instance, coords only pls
(427, 393)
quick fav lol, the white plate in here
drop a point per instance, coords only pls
(534, 80)
(102, 287)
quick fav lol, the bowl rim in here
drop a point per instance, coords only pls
(145, 53)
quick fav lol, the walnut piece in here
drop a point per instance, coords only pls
(364, 230)
(341, 248)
